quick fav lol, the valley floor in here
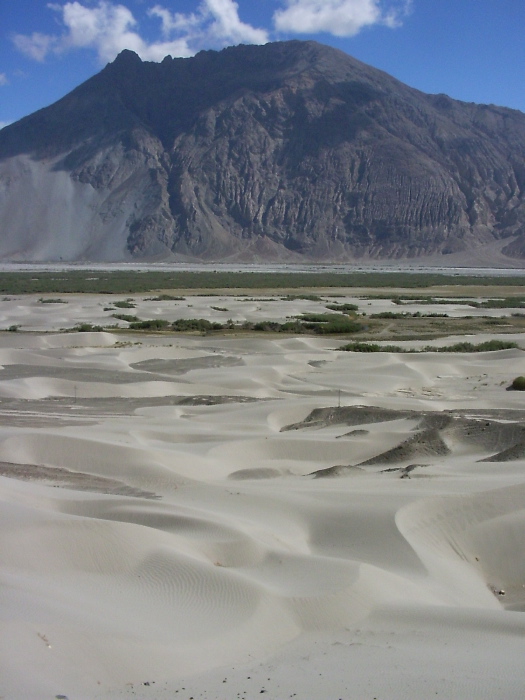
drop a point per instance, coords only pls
(225, 516)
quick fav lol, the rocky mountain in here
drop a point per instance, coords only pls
(288, 151)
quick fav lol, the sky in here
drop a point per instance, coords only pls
(472, 50)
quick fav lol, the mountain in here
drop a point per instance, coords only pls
(288, 151)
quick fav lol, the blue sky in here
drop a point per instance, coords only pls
(473, 50)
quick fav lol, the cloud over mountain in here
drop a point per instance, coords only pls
(108, 27)
(337, 17)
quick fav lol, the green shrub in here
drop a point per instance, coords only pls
(87, 327)
(358, 346)
(126, 317)
(518, 384)
(391, 314)
(487, 346)
(165, 297)
(155, 324)
(306, 297)
(271, 326)
(196, 324)
(318, 318)
(506, 303)
(343, 325)
(274, 326)
(124, 304)
(325, 324)
(292, 327)
(343, 308)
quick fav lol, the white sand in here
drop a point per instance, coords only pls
(157, 545)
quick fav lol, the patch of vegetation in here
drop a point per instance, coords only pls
(392, 314)
(407, 299)
(306, 297)
(499, 303)
(126, 317)
(276, 327)
(137, 282)
(343, 308)
(127, 304)
(318, 318)
(196, 324)
(262, 299)
(372, 347)
(406, 314)
(87, 328)
(155, 324)
(487, 346)
(202, 325)
(325, 324)
(506, 303)
(51, 301)
(518, 384)
(14, 328)
(494, 321)
(165, 297)
(340, 325)
(218, 308)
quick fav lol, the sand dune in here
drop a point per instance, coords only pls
(163, 532)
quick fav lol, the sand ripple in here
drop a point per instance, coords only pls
(159, 518)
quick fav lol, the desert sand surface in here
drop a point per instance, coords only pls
(220, 517)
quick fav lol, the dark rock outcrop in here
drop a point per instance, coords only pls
(290, 150)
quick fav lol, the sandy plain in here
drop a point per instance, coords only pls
(234, 516)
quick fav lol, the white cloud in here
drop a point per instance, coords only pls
(227, 26)
(176, 22)
(36, 46)
(108, 28)
(216, 22)
(337, 17)
(3, 79)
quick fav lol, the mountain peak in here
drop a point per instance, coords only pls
(127, 58)
(289, 150)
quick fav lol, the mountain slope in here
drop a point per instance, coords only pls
(290, 150)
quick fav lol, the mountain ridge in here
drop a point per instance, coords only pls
(290, 150)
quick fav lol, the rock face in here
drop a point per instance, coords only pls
(290, 150)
